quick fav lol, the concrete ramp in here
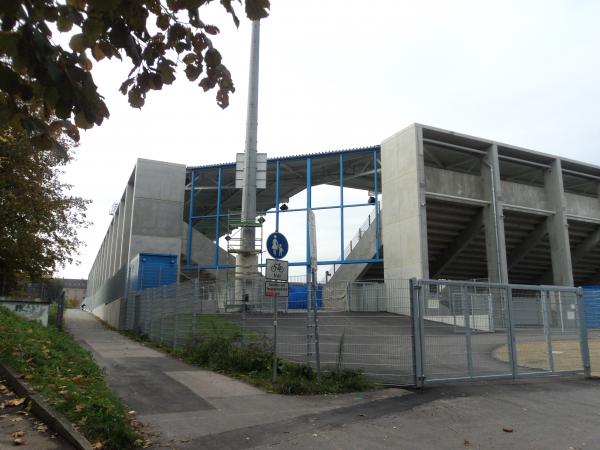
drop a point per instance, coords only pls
(362, 246)
(203, 251)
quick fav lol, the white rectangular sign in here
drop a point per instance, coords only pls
(261, 170)
(278, 288)
(276, 270)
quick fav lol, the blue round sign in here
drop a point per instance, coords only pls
(277, 245)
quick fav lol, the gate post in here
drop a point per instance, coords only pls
(467, 308)
(417, 337)
(544, 297)
(583, 335)
(512, 345)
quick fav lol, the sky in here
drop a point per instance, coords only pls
(346, 73)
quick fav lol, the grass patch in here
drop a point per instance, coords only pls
(65, 374)
(221, 346)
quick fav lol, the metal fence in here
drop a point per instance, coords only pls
(477, 330)
(398, 332)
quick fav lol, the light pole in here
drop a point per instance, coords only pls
(246, 261)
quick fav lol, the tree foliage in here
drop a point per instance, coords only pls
(158, 36)
(38, 218)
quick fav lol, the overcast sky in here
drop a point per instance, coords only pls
(347, 73)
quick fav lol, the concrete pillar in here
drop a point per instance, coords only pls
(493, 217)
(113, 243)
(157, 208)
(404, 224)
(126, 224)
(120, 219)
(558, 228)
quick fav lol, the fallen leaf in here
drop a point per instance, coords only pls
(131, 413)
(19, 441)
(80, 407)
(15, 402)
(507, 429)
(18, 434)
(98, 446)
(42, 428)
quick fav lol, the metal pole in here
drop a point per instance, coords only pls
(547, 331)
(190, 218)
(512, 344)
(246, 259)
(467, 308)
(59, 311)
(342, 243)
(275, 337)
(277, 181)
(583, 335)
(316, 322)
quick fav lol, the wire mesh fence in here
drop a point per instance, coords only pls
(477, 330)
(398, 332)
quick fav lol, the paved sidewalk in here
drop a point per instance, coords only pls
(183, 403)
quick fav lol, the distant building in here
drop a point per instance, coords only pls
(74, 290)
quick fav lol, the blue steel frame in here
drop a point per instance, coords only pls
(196, 171)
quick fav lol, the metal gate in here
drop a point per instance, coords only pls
(470, 331)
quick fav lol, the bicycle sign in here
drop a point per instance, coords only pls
(276, 270)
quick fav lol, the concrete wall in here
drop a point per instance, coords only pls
(407, 182)
(147, 220)
(404, 225)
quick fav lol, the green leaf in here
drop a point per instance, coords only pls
(97, 52)
(126, 85)
(190, 58)
(77, 43)
(212, 57)
(163, 22)
(9, 41)
(193, 72)
(64, 23)
(136, 98)
(82, 122)
(257, 9)
(211, 29)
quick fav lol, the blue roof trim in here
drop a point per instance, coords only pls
(293, 157)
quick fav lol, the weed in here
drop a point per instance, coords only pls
(223, 346)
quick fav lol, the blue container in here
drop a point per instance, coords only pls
(297, 294)
(591, 302)
(149, 270)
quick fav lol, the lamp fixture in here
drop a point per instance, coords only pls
(283, 207)
(371, 200)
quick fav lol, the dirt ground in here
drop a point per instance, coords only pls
(565, 353)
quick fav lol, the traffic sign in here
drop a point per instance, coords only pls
(276, 270)
(277, 245)
(276, 288)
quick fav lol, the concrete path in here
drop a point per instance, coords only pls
(183, 403)
(20, 427)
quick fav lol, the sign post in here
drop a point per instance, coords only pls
(312, 236)
(276, 285)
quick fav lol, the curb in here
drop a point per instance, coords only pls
(55, 420)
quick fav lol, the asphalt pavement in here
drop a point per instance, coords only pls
(178, 403)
